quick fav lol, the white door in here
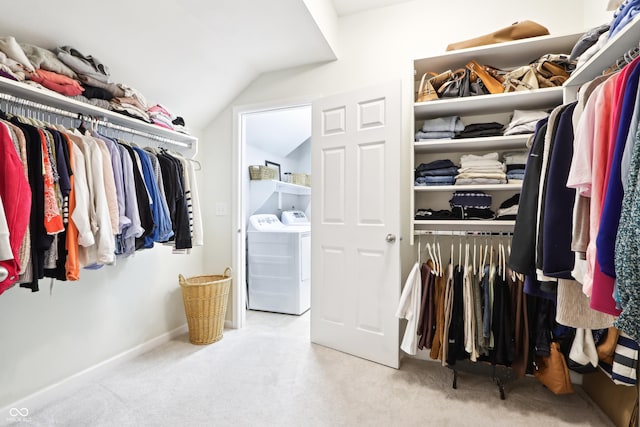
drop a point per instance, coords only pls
(355, 270)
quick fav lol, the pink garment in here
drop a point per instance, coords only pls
(57, 82)
(580, 170)
(600, 153)
(603, 285)
(16, 193)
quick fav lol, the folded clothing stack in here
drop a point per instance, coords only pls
(486, 169)
(524, 121)
(132, 104)
(430, 214)
(179, 125)
(438, 172)
(471, 205)
(440, 128)
(160, 116)
(515, 162)
(508, 210)
(476, 130)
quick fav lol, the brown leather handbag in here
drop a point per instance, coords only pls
(430, 83)
(552, 371)
(490, 82)
(516, 31)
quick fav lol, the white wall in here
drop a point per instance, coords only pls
(46, 338)
(595, 13)
(375, 46)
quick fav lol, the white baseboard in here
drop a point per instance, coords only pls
(49, 393)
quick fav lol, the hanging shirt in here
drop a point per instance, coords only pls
(409, 308)
(15, 191)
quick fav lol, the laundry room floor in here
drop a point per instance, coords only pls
(269, 374)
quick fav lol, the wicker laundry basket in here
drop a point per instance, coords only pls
(205, 304)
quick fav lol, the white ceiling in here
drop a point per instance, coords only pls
(278, 131)
(348, 7)
(193, 56)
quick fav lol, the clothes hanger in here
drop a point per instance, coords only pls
(504, 262)
(435, 256)
(440, 261)
(474, 255)
(428, 247)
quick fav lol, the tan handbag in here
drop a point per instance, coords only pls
(516, 31)
(490, 82)
(429, 85)
(552, 371)
(522, 78)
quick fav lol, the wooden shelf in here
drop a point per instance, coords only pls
(472, 144)
(486, 104)
(488, 187)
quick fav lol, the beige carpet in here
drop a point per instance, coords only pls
(269, 374)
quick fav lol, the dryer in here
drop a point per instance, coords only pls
(279, 264)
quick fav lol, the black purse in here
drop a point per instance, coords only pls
(458, 86)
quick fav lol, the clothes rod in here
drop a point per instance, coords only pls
(461, 233)
(100, 122)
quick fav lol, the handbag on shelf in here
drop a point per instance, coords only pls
(516, 31)
(522, 78)
(553, 69)
(492, 84)
(430, 83)
(552, 371)
(457, 86)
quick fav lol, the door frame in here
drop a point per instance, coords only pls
(239, 208)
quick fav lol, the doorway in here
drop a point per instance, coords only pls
(277, 136)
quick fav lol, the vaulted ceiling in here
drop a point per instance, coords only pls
(193, 56)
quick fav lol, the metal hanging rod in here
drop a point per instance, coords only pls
(78, 116)
(461, 233)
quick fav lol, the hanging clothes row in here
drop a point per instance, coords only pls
(575, 237)
(474, 308)
(76, 198)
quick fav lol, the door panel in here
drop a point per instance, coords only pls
(355, 271)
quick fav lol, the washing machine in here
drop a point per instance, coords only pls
(279, 263)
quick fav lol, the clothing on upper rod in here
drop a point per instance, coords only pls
(75, 200)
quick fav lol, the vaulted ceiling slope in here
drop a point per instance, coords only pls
(192, 56)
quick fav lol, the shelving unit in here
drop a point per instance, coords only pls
(469, 145)
(475, 109)
(261, 190)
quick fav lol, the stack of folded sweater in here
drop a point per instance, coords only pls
(476, 130)
(524, 121)
(438, 172)
(486, 169)
(440, 128)
(471, 205)
(179, 125)
(160, 116)
(430, 214)
(508, 210)
(515, 162)
(132, 104)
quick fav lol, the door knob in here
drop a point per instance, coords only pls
(390, 238)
